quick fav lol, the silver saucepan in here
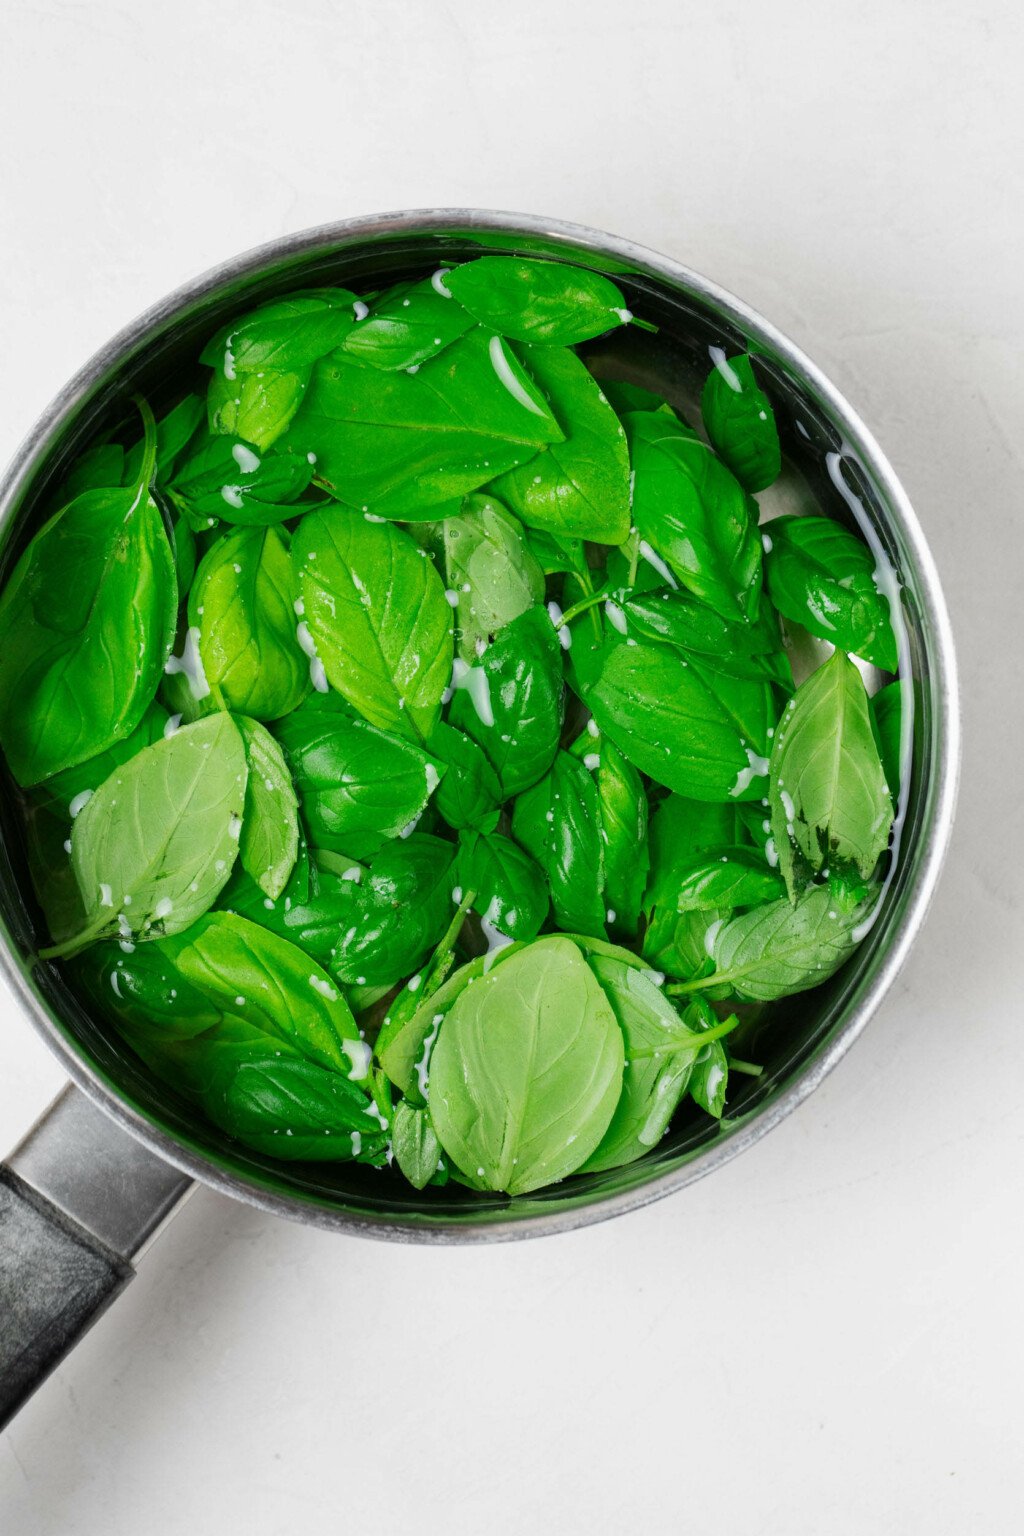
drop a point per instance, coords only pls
(111, 1159)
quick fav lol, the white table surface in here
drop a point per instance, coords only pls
(826, 1336)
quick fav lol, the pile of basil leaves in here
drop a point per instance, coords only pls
(410, 752)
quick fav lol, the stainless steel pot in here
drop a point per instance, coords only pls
(83, 1194)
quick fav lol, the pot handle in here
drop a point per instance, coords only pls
(80, 1200)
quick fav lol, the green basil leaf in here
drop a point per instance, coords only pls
(53, 879)
(377, 614)
(684, 836)
(781, 948)
(399, 911)
(822, 576)
(415, 1144)
(312, 911)
(242, 606)
(155, 844)
(490, 575)
(738, 649)
(74, 787)
(174, 432)
(400, 441)
(678, 943)
(694, 730)
(527, 1070)
(886, 711)
(286, 335)
(469, 795)
(256, 407)
(559, 819)
(828, 794)
(227, 478)
(99, 468)
(510, 891)
(710, 1079)
(510, 704)
(407, 326)
(295, 1110)
(555, 554)
(741, 423)
(578, 488)
(358, 785)
(661, 1049)
(622, 806)
(695, 515)
(735, 878)
(86, 624)
(543, 301)
(269, 841)
(623, 396)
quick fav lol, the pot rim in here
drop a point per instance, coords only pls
(931, 848)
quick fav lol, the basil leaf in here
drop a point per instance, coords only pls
(543, 301)
(828, 795)
(710, 1079)
(661, 1049)
(527, 1070)
(358, 786)
(469, 794)
(678, 943)
(684, 836)
(311, 911)
(695, 515)
(490, 575)
(415, 1144)
(781, 948)
(398, 912)
(555, 554)
(738, 649)
(98, 468)
(886, 711)
(243, 606)
(377, 614)
(559, 819)
(623, 396)
(156, 842)
(510, 704)
(399, 441)
(174, 432)
(510, 891)
(53, 879)
(735, 878)
(822, 576)
(256, 407)
(740, 422)
(294, 1109)
(407, 326)
(580, 487)
(692, 729)
(86, 624)
(622, 806)
(78, 784)
(286, 334)
(227, 478)
(269, 840)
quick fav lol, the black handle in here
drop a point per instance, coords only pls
(79, 1201)
(55, 1281)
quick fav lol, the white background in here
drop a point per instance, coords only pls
(826, 1336)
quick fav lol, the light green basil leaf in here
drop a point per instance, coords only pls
(269, 841)
(509, 888)
(490, 575)
(886, 710)
(737, 877)
(527, 1070)
(622, 806)
(695, 515)
(661, 1049)
(256, 407)
(694, 730)
(828, 794)
(558, 819)
(710, 1079)
(578, 488)
(155, 844)
(781, 948)
(510, 703)
(822, 576)
(358, 785)
(377, 614)
(227, 478)
(86, 624)
(242, 606)
(396, 442)
(740, 422)
(74, 786)
(415, 1144)
(408, 325)
(286, 335)
(543, 301)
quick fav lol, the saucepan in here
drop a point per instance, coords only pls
(85, 1192)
